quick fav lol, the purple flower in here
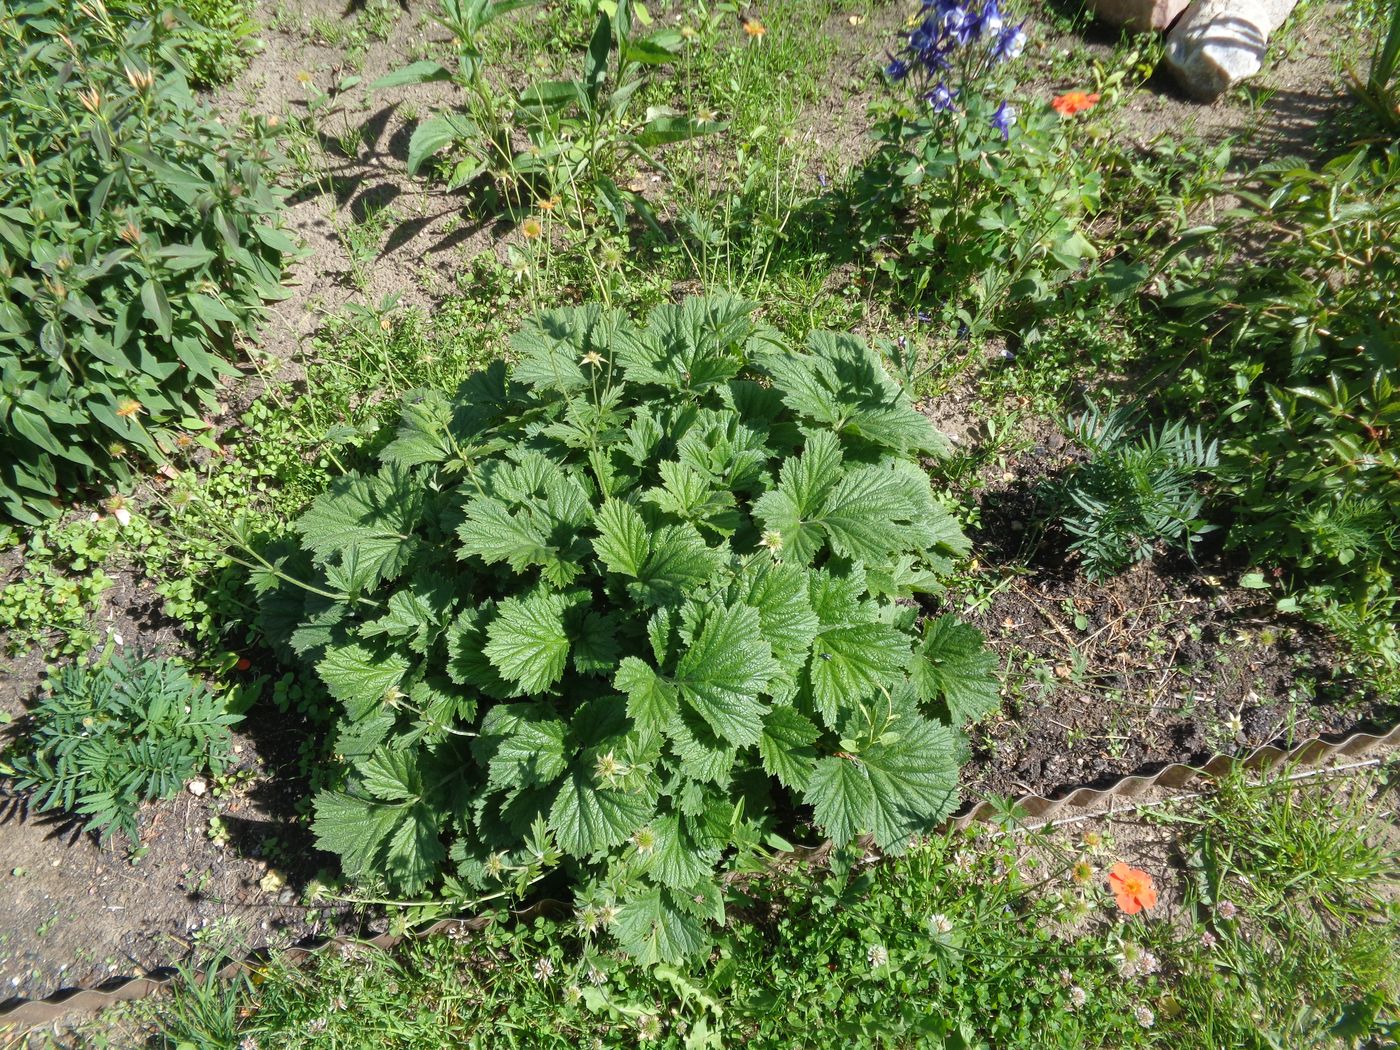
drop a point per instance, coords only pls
(897, 70)
(1009, 44)
(991, 21)
(959, 24)
(926, 38)
(1004, 118)
(942, 98)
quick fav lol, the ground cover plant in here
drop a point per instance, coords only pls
(137, 240)
(602, 605)
(1040, 939)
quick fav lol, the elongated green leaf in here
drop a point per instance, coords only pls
(414, 73)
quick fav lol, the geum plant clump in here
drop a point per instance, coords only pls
(626, 609)
(137, 239)
(970, 197)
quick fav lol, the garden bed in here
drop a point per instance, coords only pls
(1171, 662)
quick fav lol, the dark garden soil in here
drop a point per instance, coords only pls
(1170, 662)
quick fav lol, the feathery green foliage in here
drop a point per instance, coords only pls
(107, 738)
(1134, 493)
(622, 606)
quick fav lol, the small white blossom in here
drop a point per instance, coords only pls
(1145, 1016)
(940, 923)
(544, 969)
(1077, 997)
(877, 956)
(648, 1027)
(596, 976)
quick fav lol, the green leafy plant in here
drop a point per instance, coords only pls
(1378, 92)
(217, 39)
(1135, 491)
(1303, 367)
(626, 606)
(137, 239)
(580, 131)
(970, 200)
(106, 738)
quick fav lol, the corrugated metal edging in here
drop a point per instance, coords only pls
(29, 1013)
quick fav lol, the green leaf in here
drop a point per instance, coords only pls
(953, 664)
(792, 508)
(622, 542)
(527, 746)
(587, 820)
(841, 798)
(435, 134)
(157, 306)
(863, 515)
(722, 675)
(851, 662)
(652, 701)
(413, 73)
(902, 784)
(361, 678)
(786, 747)
(651, 928)
(527, 641)
(914, 777)
(667, 563)
(376, 515)
(841, 382)
(674, 859)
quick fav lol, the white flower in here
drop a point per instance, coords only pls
(877, 956)
(940, 923)
(544, 969)
(648, 1027)
(1144, 1016)
(1077, 997)
(596, 976)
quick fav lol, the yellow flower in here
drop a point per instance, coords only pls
(689, 32)
(592, 358)
(303, 77)
(753, 27)
(128, 408)
(531, 228)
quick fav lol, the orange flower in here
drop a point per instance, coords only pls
(531, 228)
(1132, 888)
(1072, 102)
(243, 663)
(129, 408)
(753, 26)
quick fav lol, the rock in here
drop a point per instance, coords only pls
(1218, 43)
(1140, 16)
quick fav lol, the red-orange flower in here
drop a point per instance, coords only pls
(1072, 102)
(243, 663)
(1132, 888)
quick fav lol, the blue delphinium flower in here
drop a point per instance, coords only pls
(1004, 118)
(1009, 44)
(926, 37)
(992, 21)
(943, 99)
(897, 70)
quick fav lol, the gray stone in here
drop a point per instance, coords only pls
(1140, 16)
(1218, 43)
